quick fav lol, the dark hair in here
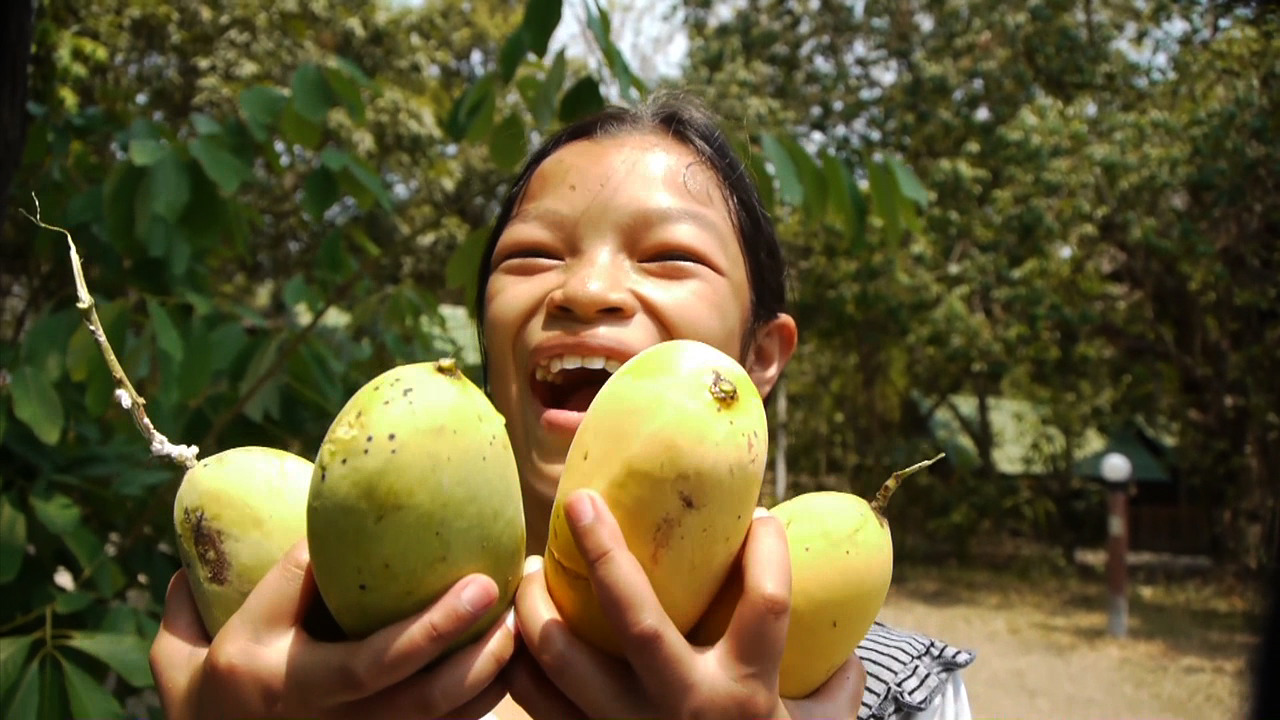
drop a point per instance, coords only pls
(685, 120)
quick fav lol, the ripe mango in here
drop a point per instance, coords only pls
(841, 553)
(675, 442)
(415, 486)
(236, 513)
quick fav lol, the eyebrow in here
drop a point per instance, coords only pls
(557, 219)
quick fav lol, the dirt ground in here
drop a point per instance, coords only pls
(1043, 651)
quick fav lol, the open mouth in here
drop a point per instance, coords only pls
(570, 382)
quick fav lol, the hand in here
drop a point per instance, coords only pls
(264, 664)
(840, 697)
(663, 675)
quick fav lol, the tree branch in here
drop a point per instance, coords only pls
(129, 399)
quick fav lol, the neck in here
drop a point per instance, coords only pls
(537, 514)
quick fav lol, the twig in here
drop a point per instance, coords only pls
(886, 491)
(125, 394)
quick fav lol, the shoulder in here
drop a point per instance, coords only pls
(911, 676)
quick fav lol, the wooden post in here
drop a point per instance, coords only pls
(1117, 470)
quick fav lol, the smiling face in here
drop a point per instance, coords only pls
(618, 243)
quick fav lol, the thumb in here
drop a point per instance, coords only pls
(281, 597)
(181, 624)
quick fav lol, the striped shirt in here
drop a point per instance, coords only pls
(912, 677)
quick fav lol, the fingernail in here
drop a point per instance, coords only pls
(579, 509)
(532, 563)
(759, 513)
(511, 620)
(478, 595)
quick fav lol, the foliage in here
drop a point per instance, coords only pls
(1099, 239)
(273, 202)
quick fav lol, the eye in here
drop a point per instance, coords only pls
(525, 252)
(673, 256)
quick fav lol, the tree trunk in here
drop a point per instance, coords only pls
(15, 41)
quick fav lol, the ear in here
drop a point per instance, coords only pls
(771, 351)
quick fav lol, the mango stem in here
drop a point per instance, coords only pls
(881, 500)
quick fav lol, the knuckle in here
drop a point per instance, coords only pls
(357, 676)
(646, 633)
(775, 603)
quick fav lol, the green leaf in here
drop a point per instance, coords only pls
(262, 107)
(810, 175)
(88, 697)
(13, 655)
(124, 653)
(347, 90)
(908, 182)
(472, 114)
(790, 188)
(884, 198)
(13, 542)
(463, 266)
(167, 335)
(513, 51)
(311, 93)
(88, 550)
(225, 344)
(46, 342)
(206, 125)
(840, 204)
(55, 511)
(319, 192)
(145, 151)
(581, 99)
(223, 168)
(37, 405)
(541, 17)
(544, 104)
(68, 603)
(170, 187)
(509, 142)
(25, 703)
(298, 130)
(267, 396)
(368, 180)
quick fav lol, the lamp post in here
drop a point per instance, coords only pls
(1117, 470)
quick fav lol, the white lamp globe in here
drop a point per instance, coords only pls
(1116, 467)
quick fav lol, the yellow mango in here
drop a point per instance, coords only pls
(841, 553)
(235, 514)
(675, 442)
(415, 486)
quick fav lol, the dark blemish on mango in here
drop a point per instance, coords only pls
(405, 392)
(208, 545)
(369, 439)
(392, 436)
(833, 623)
(366, 451)
(393, 451)
(686, 500)
(344, 461)
(362, 586)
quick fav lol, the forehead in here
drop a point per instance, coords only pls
(639, 168)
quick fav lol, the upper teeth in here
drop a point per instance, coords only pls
(549, 366)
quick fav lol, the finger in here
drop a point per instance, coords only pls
(479, 706)
(758, 628)
(180, 644)
(356, 669)
(459, 678)
(181, 624)
(280, 598)
(535, 693)
(586, 677)
(839, 697)
(656, 648)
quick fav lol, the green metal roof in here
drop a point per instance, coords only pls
(1026, 443)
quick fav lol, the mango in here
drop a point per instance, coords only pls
(841, 553)
(235, 514)
(675, 442)
(415, 486)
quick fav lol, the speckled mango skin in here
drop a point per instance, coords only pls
(415, 486)
(679, 468)
(235, 514)
(841, 566)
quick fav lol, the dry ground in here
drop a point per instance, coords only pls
(1044, 653)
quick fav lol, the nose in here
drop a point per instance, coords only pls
(594, 286)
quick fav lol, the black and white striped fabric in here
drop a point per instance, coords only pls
(905, 671)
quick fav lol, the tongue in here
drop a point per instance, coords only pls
(581, 398)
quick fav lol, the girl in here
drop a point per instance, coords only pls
(623, 230)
